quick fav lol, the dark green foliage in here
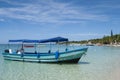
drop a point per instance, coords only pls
(105, 40)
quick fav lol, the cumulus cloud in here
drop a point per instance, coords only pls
(1, 20)
(49, 12)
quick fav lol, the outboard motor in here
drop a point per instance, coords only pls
(8, 51)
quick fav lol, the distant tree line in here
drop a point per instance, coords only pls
(105, 40)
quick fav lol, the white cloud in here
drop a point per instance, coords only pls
(1, 20)
(76, 34)
(49, 12)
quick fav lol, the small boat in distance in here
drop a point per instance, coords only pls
(66, 56)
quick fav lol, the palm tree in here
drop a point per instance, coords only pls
(111, 38)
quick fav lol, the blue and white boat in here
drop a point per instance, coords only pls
(66, 56)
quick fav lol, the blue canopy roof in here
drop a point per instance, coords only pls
(25, 40)
(56, 39)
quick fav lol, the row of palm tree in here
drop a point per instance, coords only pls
(113, 39)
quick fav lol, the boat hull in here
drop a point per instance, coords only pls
(72, 56)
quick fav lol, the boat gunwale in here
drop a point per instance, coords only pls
(45, 54)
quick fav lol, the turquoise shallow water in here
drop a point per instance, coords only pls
(100, 63)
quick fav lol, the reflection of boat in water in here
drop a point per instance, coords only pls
(70, 56)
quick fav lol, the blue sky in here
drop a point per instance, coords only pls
(74, 19)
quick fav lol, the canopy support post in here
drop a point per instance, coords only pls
(35, 48)
(66, 46)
